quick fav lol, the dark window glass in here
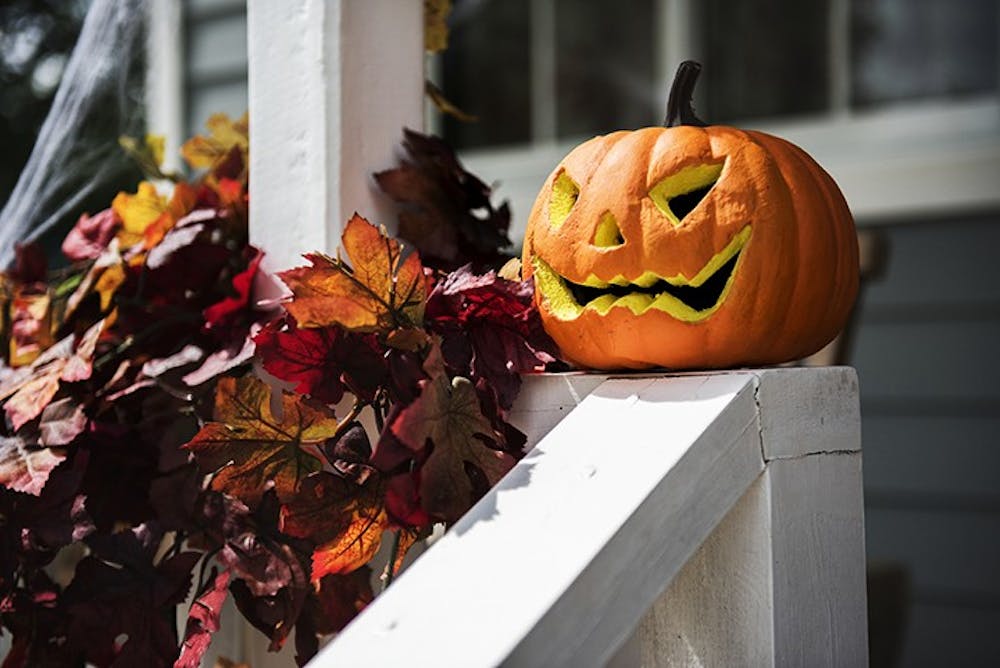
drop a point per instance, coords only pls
(906, 49)
(486, 71)
(605, 66)
(763, 58)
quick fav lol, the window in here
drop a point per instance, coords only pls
(884, 93)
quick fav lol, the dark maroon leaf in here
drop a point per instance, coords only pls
(29, 263)
(447, 211)
(490, 330)
(350, 454)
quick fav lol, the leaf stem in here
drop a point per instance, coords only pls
(390, 568)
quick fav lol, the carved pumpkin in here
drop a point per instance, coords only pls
(689, 246)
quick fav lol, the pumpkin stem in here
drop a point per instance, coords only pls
(679, 109)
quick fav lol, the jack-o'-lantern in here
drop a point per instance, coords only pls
(690, 246)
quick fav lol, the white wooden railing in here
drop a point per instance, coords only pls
(704, 519)
(700, 519)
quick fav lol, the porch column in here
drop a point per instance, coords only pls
(332, 84)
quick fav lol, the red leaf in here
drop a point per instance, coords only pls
(447, 213)
(234, 311)
(203, 621)
(321, 361)
(323, 507)
(341, 598)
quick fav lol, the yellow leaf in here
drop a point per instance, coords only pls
(203, 152)
(156, 144)
(108, 284)
(138, 211)
(436, 25)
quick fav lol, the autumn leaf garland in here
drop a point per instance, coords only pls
(358, 327)
(192, 442)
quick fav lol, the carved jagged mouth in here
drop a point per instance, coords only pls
(689, 299)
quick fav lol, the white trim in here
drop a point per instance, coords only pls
(165, 77)
(611, 505)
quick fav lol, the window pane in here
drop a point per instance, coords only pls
(605, 66)
(905, 49)
(486, 72)
(763, 58)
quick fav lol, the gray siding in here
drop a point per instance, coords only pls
(927, 358)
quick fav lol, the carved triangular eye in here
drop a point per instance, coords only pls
(677, 195)
(608, 235)
(565, 192)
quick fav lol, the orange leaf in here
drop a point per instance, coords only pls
(250, 446)
(182, 201)
(378, 291)
(355, 546)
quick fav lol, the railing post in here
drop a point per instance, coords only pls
(781, 580)
(666, 519)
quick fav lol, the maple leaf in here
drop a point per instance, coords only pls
(25, 465)
(91, 235)
(30, 264)
(137, 212)
(31, 390)
(436, 25)
(447, 416)
(322, 361)
(378, 292)
(249, 446)
(341, 597)
(322, 508)
(233, 313)
(355, 546)
(447, 214)
(228, 141)
(30, 324)
(203, 620)
(490, 330)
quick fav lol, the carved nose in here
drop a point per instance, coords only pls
(607, 234)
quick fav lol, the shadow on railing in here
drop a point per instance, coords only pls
(693, 519)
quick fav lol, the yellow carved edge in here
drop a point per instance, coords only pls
(563, 306)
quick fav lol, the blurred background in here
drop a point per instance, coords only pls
(898, 99)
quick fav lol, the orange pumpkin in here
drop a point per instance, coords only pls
(690, 246)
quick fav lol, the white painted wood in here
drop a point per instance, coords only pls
(332, 84)
(164, 77)
(718, 610)
(607, 508)
(775, 579)
(809, 410)
(818, 561)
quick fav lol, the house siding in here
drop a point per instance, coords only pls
(926, 354)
